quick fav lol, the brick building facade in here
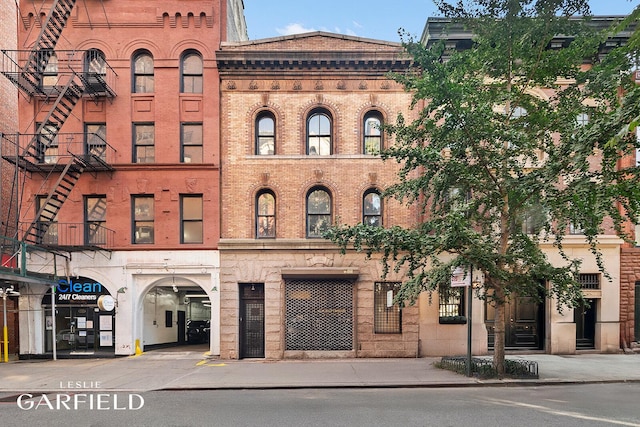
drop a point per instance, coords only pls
(8, 119)
(297, 114)
(119, 148)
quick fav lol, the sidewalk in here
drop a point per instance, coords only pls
(158, 370)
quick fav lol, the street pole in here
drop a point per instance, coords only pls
(469, 320)
(53, 321)
(5, 331)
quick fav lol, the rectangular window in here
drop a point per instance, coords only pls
(143, 219)
(191, 226)
(589, 280)
(191, 138)
(451, 305)
(47, 230)
(387, 314)
(144, 149)
(47, 142)
(95, 137)
(95, 214)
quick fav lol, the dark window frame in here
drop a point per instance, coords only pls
(369, 216)
(94, 227)
(50, 236)
(372, 133)
(47, 152)
(138, 146)
(142, 75)
(320, 113)
(451, 304)
(194, 78)
(265, 136)
(191, 221)
(95, 62)
(193, 151)
(265, 221)
(318, 220)
(143, 224)
(95, 138)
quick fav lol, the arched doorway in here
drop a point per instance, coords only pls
(176, 312)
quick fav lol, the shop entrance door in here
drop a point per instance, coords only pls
(252, 320)
(75, 330)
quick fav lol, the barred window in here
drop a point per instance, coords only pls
(387, 314)
(451, 304)
(589, 280)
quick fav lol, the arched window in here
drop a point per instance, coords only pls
(372, 133)
(143, 81)
(191, 72)
(318, 212)
(265, 134)
(265, 215)
(319, 133)
(95, 62)
(372, 208)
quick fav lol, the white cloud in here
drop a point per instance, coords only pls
(294, 29)
(357, 24)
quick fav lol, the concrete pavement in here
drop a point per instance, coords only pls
(171, 370)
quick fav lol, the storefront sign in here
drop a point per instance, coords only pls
(80, 290)
(106, 303)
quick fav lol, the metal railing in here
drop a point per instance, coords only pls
(95, 152)
(96, 75)
(71, 235)
(483, 368)
(14, 260)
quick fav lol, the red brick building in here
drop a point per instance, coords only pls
(299, 151)
(8, 119)
(116, 153)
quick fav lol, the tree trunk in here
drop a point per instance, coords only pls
(499, 336)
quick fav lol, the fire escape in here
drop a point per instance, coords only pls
(58, 80)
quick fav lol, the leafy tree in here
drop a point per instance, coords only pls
(502, 156)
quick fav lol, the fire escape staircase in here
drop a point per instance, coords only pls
(62, 98)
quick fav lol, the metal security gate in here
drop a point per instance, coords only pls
(251, 320)
(319, 314)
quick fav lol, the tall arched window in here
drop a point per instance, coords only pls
(318, 212)
(265, 215)
(372, 133)
(95, 62)
(372, 208)
(265, 133)
(143, 79)
(319, 133)
(191, 72)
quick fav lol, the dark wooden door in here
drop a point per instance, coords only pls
(524, 325)
(585, 318)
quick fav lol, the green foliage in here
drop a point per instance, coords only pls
(497, 146)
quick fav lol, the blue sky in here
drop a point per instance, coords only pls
(376, 19)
